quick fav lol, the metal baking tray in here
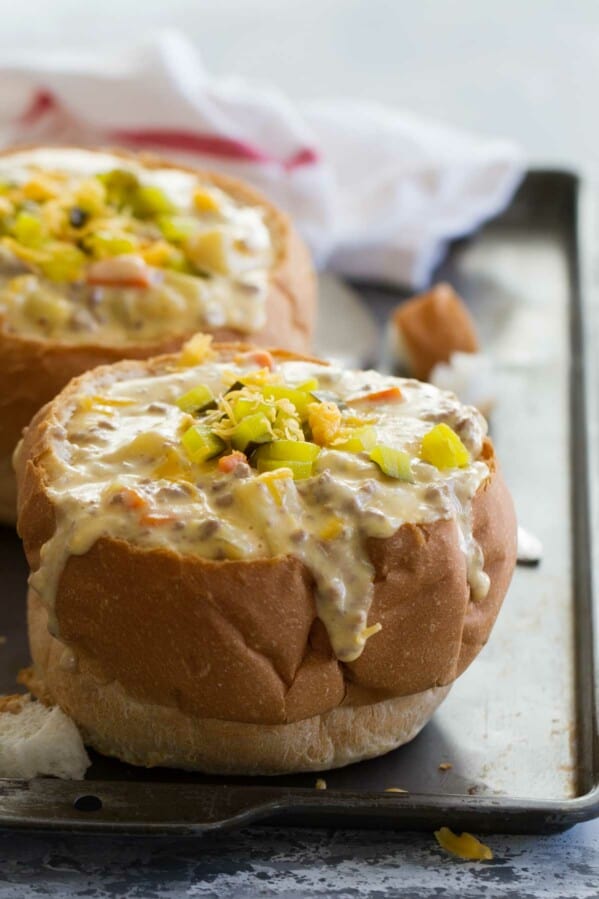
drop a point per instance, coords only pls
(519, 729)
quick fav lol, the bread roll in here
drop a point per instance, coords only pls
(259, 563)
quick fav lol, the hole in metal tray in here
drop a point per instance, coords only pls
(88, 804)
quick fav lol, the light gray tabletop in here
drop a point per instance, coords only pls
(526, 70)
(297, 863)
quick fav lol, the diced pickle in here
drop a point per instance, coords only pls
(177, 228)
(251, 429)
(360, 439)
(243, 407)
(300, 399)
(150, 201)
(28, 230)
(443, 448)
(196, 399)
(290, 450)
(105, 245)
(64, 263)
(392, 462)
(201, 444)
(120, 186)
(300, 470)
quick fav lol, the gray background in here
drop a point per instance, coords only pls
(528, 70)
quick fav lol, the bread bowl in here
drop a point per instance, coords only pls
(254, 562)
(106, 255)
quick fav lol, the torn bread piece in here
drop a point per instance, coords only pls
(38, 739)
(429, 327)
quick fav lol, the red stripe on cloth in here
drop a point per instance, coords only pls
(191, 142)
(177, 140)
(42, 102)
(210, 145)
(307, 156)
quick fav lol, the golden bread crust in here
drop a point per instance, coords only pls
(432, 326)
(34, 370)
(148, 734)
(254, 622)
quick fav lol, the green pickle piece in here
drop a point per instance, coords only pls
(28, 230)
(251, 429)
(201, 444)
(176, 228)
(150, 201)
(64, 263)
(288, 450)
(393, 462)
(105, 245)
(299, 398)
(443, 448)
(361, 439)
(121, 186)
(244, 407)
(299, 469)
(196, 399)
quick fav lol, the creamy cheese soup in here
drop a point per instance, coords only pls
(95, 248)
(252, 457)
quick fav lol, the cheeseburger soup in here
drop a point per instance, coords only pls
(103, 249)
(255, 456)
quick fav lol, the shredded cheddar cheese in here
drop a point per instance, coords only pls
(465, 846)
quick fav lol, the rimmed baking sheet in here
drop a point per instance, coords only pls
(517, 737)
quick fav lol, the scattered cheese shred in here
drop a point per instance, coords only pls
(197, 349)
(321, 783)
(464, 846)
(395, 790)
(369, 632)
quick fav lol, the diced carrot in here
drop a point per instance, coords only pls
(260, 357)
(230, 462)
(132, 499)
(156, 519)
(388, 395)
(105, 282)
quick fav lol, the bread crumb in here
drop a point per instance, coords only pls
(445, 766)
(13, 702)
(394, 790)
(321, 783)
(36, 739)
(431, 326)
(2, 639)
(465, 846)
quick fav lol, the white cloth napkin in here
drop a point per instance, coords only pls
(376, 192)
